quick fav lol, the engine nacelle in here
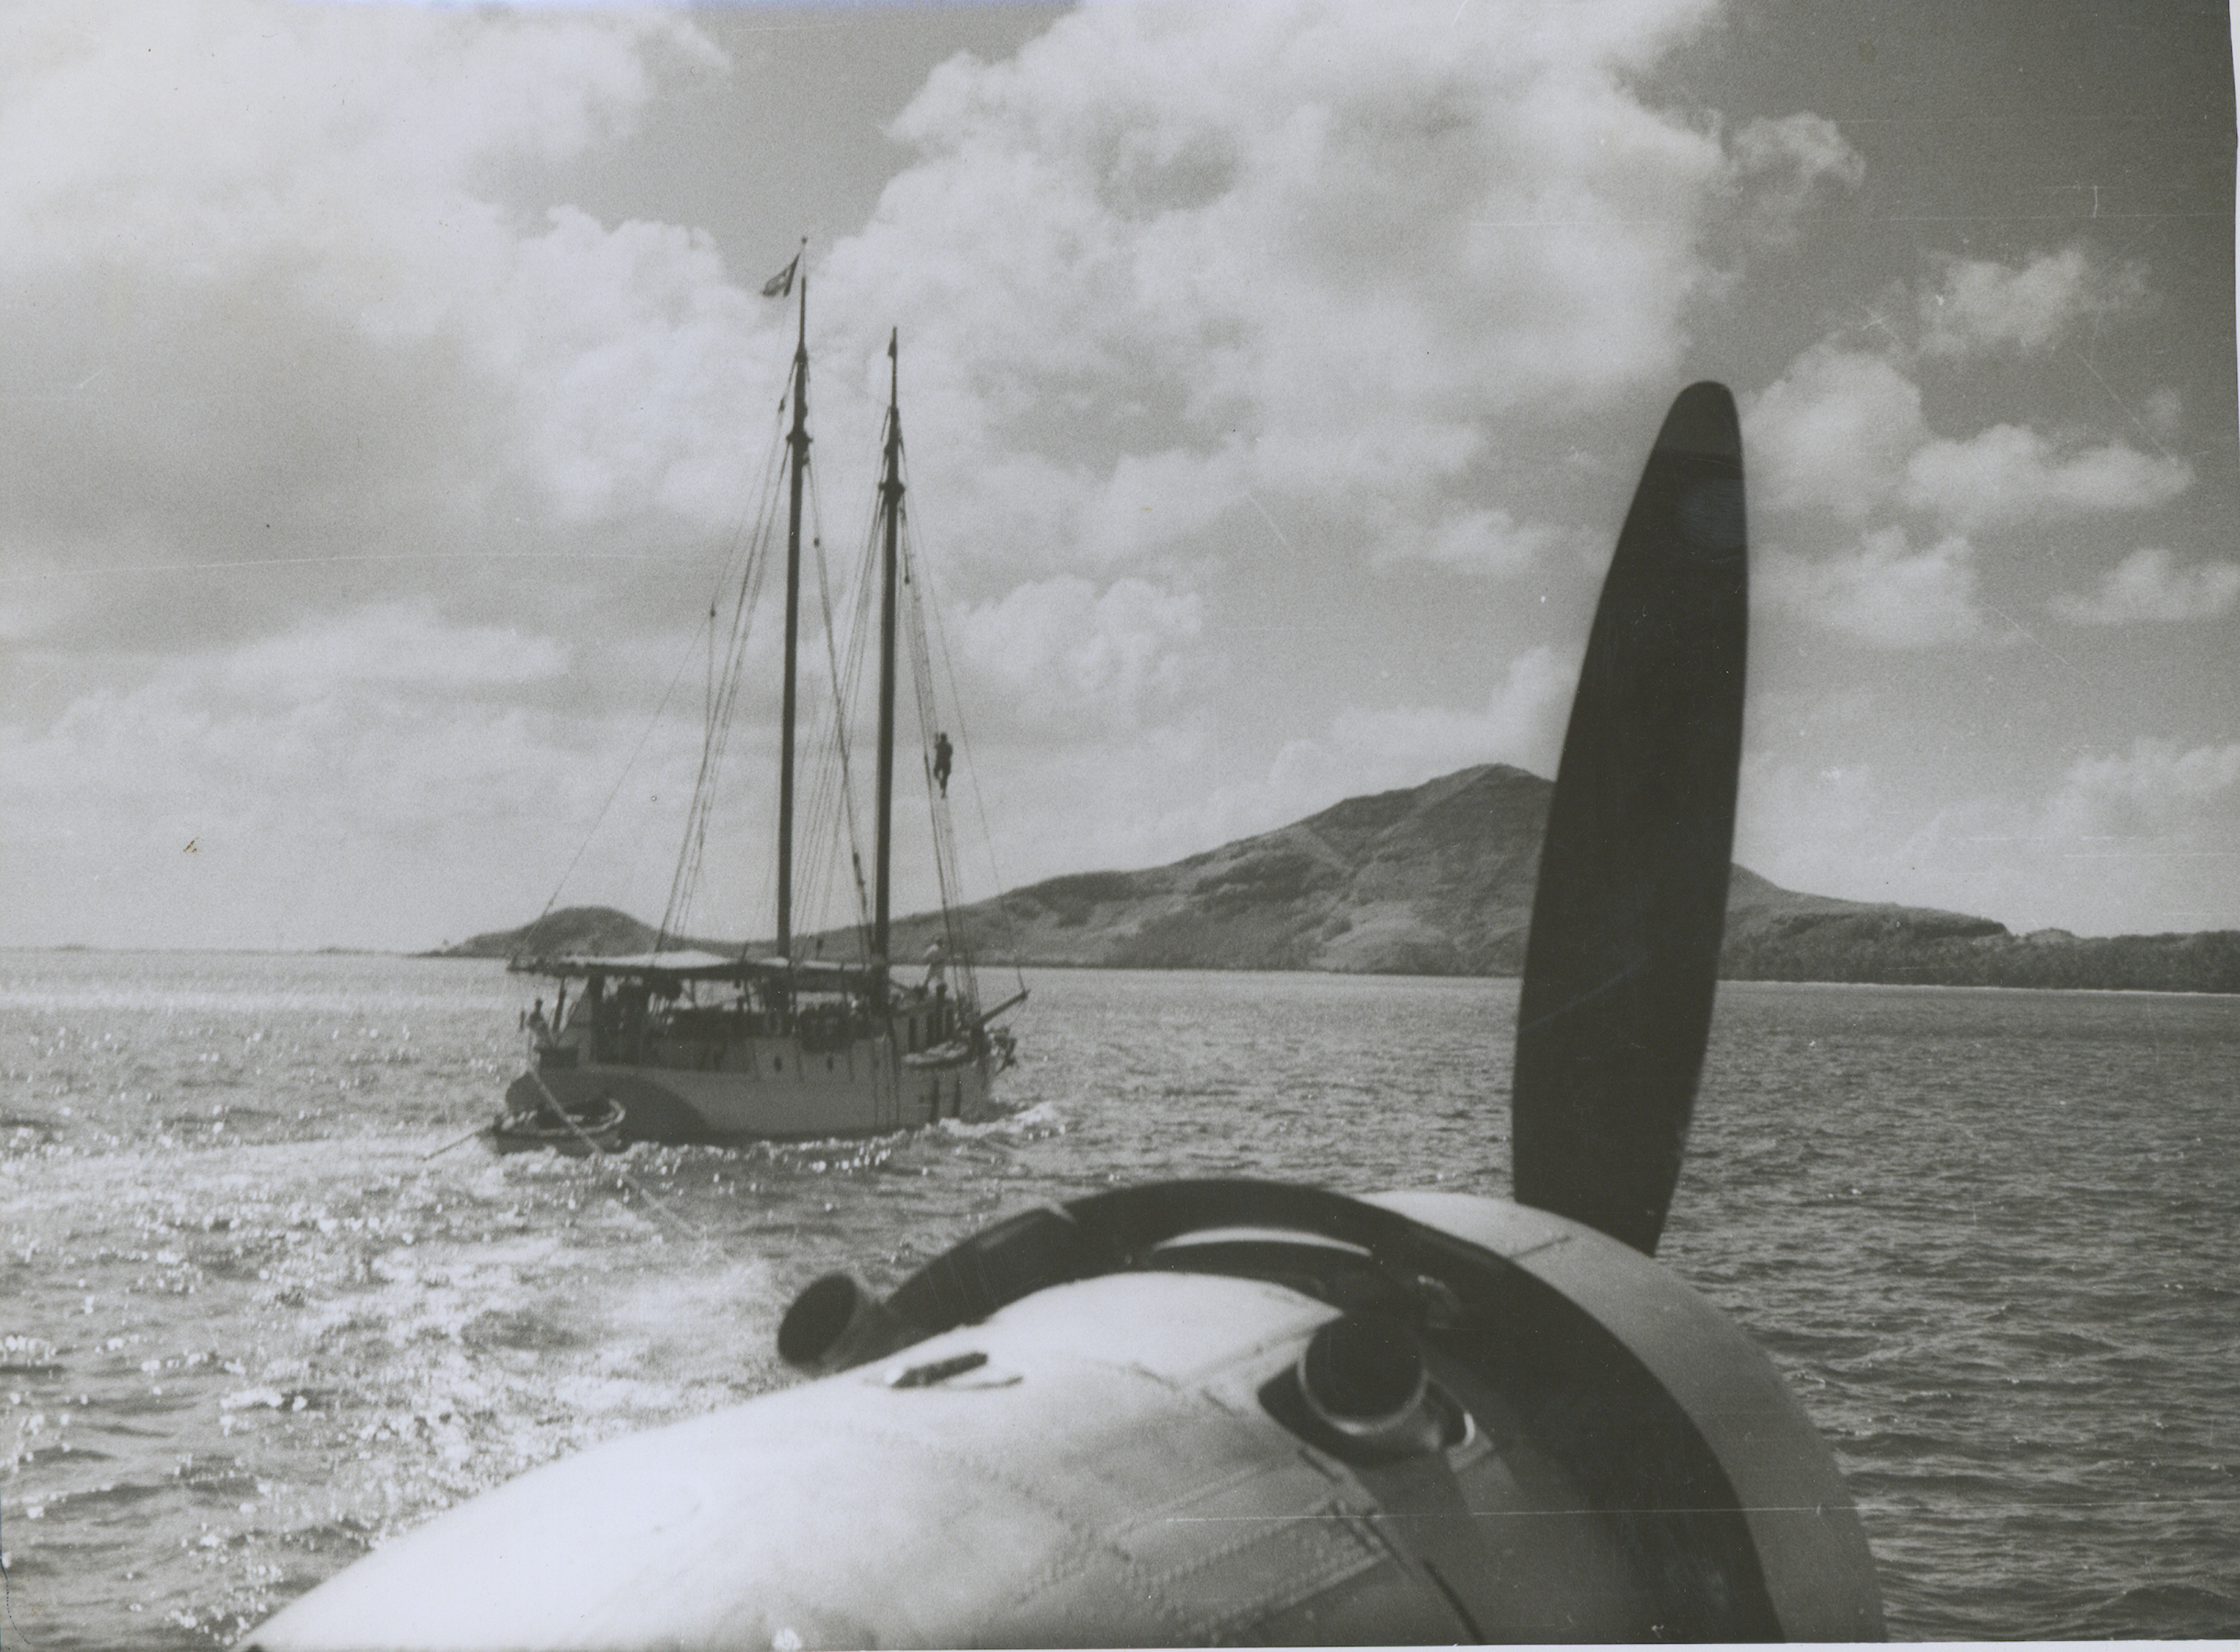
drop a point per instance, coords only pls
(1188, 1412)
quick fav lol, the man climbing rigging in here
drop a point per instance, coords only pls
(943, 753)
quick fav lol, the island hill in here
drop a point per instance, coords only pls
(1438, 880)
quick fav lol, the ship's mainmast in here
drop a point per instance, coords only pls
(797, 441)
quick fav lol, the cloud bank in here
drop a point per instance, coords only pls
(1271, 371)
(1846, 455)
(2144, 840)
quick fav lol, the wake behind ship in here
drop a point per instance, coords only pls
(693, 1045)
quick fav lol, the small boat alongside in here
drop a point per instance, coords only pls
(578, 1136)
(699, 1046)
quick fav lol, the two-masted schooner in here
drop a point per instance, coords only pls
(694, 1045)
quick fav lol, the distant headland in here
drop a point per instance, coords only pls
(1438, 879)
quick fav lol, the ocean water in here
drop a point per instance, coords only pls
(255, 1314)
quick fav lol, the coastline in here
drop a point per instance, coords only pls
(1093, 966)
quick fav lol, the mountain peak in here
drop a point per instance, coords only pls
(1439, 879)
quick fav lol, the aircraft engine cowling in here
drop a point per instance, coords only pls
(1190, 1413)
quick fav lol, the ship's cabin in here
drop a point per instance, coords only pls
(687, 1010)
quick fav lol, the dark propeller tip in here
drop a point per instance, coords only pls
(1702, 422)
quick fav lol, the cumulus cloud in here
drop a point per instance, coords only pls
(2149, 584)
(230, 132)
(1374, 750)
(394, 643)
(1834, 432)
(2147, 838)
(1305, 254)
(2153, 790)
(2008, 475)
(2144, 839)
(1784, 165)
(1064, 655)
(1520, 724)
(1886, 593)
(1982, 307)
(275, 310)
(330, 782)
(296, 392)
(1841, 447)
(1842, 431)
(1485, 541)
(623, 348)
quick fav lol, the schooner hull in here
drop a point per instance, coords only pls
(771, 1091)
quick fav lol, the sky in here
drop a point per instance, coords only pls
(385, 387)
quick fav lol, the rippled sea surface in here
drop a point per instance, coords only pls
(254, 1316)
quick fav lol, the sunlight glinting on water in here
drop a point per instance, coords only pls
(254, 1326)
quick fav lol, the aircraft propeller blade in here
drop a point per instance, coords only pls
(1623, 958)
